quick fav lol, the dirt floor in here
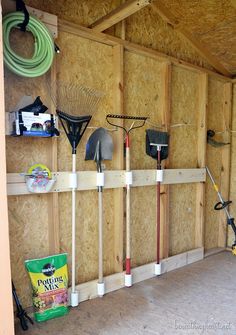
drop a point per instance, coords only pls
(197, 299)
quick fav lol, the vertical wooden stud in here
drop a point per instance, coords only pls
(118, 65)
(6, 315)
(225, 167)
(165, 110)
(201, 157)
(53, 210)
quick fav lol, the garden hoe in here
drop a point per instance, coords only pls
(99, 148)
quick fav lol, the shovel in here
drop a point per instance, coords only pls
(100, 147)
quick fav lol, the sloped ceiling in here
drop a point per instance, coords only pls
(212, 23)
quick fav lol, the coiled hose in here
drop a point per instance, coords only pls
(43, 54)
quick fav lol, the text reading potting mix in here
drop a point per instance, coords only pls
(49, 280)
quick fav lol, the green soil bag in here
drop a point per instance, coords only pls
(49, 280)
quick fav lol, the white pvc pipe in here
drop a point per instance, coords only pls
(74, 293)
(128, 235)
(128, 275)
(100, 239)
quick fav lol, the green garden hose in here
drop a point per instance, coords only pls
(44, 52)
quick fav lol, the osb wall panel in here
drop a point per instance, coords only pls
(28, 238)
(83, 12)
(89, 64)
(28, 215)
(221, 43)
(215, 121)
(142, 97)
(233, 168)
(212, 22)
(87, 233)
(183, 154)
(147, 28)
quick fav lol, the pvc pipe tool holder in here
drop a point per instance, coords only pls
(157, 269)
(74, 299)
(73, 180)
(101, 289)
(128, 280)
(159, 175)
(128, 177)
(100, 179)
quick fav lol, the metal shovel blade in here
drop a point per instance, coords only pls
(99, 138)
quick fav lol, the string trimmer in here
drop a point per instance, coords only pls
(222, 204)
(141, 121)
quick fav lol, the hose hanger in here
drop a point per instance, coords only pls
(20, 6)
(210, 139)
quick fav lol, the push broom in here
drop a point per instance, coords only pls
(78, 101)
(157, 148)
(99, 148)
(129, 181)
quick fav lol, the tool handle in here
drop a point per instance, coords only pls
(221, 205)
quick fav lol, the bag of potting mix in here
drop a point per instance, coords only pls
(49, 280)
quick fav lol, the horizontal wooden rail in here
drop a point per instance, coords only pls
(113, 179)
(116, 281)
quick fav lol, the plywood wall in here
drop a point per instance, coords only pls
(143, 100)
(147, 28)
(91, 64)
(28, 215)
(183, 154)
(215, 121)
(233, 168)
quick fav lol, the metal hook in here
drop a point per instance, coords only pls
(20, 6)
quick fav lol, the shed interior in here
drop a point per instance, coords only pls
(171, 61)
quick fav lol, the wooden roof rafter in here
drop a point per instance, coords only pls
(118, 14)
